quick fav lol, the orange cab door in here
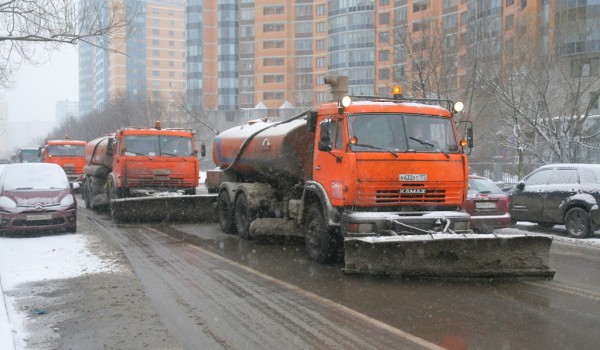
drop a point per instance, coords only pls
(330, 162)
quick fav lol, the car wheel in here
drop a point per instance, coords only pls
(577, 221)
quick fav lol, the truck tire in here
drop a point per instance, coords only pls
(243, 216)
(321, 242)
(87, 195)
(113, 193)
(225, 213)
(577, 222)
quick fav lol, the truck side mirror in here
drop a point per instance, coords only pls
(520, 186)
(470, 137)
(110, 147)
(203, 150)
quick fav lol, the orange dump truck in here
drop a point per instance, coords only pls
(69, 154)
(145, 174)
(381, 179)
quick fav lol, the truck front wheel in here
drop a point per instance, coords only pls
(243, 216)
(225, 213)
(321, 242)
(87, 195)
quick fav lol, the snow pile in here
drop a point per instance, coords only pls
(24, 260)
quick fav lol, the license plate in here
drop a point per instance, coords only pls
(39, 217)
(413, 177)
(485, 205)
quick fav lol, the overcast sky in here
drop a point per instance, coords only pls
(37, 89)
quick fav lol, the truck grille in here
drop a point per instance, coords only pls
(403, 194)
(158, 181)
(69, 169)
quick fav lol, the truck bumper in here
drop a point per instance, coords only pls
(364, 224)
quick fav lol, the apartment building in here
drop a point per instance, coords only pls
(145, 59)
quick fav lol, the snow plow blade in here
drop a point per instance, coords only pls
(165, 208)
(450, 255)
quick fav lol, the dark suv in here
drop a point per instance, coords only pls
(566, 194)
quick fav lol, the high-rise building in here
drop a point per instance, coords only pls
(256, 57)
(66, 109)
(144, 59)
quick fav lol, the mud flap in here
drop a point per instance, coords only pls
(450, 255)
(165, 208)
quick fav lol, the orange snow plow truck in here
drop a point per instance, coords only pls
(69, 154)
(145, 174)
(379, 179)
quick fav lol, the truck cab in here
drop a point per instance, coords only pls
(69, 154)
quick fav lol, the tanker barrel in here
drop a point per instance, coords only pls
(339, 86)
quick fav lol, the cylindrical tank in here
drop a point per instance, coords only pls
(95, 152)
(279, 153)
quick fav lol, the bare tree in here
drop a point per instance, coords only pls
(31, 26)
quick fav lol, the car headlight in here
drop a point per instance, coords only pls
(67, 201)
(7, 203)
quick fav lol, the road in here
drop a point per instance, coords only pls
(215, 291)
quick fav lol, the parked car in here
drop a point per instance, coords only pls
(487, 205)
(36, 197)
(566, 194)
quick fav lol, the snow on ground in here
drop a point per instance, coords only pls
(38, 259)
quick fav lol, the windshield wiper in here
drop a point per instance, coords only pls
(174, 155)
(140, 154)
(377, 148)
(430, 145)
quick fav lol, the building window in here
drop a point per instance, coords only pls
(278, 78)
(510, 22)
(384, 37)
(321, 44)
(320, 61)
(320, 27)
(273, 27)
(273, 44)
(171, 33)
(155, 32)
(420, 6)
(463, 18)
(523, 4)
(384, 74)
(320, 10)
(594, 98)
(384, 2)
(171, 43)
(384, 55)
(273, 61)
(155, 42)
(384, 18)
(273, 95)
(273, 10)
(155, 53)
(155, 73)
(509, 2)
(320, 97)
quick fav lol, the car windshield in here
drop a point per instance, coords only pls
(66, 150)
(154, 145)
(402, 133)
(483, 186)
(34, 177)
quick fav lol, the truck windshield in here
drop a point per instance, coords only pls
(29, 156)
(402, 133)
(66, 151)
(155, 145)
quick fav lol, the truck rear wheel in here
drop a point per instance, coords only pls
(243, 216)
(113, 193)
(225, 213)
(321, 242)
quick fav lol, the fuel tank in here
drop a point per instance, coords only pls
(95, 152)
(262, 150)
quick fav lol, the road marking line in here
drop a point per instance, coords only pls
(558, 287)
(413, 338)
